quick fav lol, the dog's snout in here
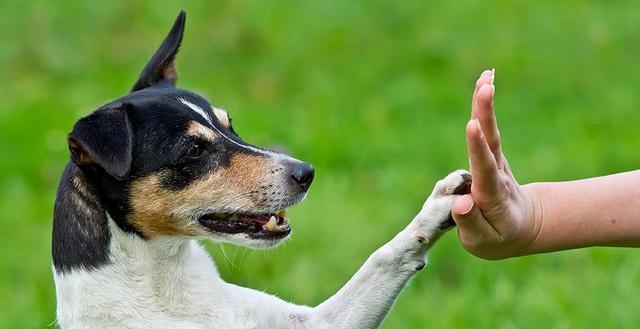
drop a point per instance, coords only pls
(302, 174)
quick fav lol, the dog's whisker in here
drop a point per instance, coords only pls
(235, 251)
(224, 253)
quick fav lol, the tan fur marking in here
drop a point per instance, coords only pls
(197, 129)
(153, 208)
(79, 154)
(222, 116)
(170, 73)
(157, 211)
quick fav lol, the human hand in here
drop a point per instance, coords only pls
(499, 218)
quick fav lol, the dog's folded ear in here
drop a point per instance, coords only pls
(104, 138)
(161, 67)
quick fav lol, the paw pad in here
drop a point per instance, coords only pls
(465, 186)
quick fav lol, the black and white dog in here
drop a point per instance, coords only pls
(156, 170)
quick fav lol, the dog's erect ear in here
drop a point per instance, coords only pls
(161, 66)
(104, 138)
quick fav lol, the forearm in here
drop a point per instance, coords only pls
(601, 211)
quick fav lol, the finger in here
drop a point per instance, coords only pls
(473, 228)
(486, 116)
(484, 168)
(485, 78)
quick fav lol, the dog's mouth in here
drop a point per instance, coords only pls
(269, 226)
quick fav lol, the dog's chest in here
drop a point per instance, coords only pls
(137, 291)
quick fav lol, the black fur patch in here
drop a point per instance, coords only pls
(161, 66)
(80, 230)
(105, 137)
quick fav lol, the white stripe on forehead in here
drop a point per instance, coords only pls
(201, 112)
(196, 109)
(222, 116)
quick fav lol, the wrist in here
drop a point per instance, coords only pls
(534, 217)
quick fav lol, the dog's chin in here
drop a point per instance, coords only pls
(244, 240)
(255, 230)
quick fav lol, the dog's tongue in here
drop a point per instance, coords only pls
(270, 222)
(260, 219)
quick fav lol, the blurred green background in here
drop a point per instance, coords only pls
(376, 95)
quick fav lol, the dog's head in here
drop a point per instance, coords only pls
(165, 162)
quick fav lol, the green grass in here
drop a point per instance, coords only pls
(376, 95)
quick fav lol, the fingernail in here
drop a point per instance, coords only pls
(493, 89)
(493, 75)
(466, 212)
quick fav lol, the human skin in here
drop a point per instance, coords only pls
(501, 218)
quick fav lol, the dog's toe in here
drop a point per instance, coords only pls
(465, 186)
(456, 183)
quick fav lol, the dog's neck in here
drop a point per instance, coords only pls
(85, 237)
(157, 254)
(83, 230)
(104, 273)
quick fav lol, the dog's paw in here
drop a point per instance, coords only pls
(435, 216)
(456, 183)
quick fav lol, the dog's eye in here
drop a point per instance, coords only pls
(195, 151)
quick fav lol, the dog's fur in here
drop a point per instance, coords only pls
(159, 168)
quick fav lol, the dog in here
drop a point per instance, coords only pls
(160, 168)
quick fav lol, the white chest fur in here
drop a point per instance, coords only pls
(148, 284)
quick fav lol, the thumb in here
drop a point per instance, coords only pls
(462, 205)
(469, 219)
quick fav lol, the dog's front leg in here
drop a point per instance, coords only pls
(366, 299)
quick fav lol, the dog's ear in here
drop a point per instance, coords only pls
(104, 138)
(161, 66)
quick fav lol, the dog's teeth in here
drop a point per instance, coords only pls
(271, 224)
(282, 213)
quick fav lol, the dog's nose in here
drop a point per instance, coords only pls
(303, 174)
